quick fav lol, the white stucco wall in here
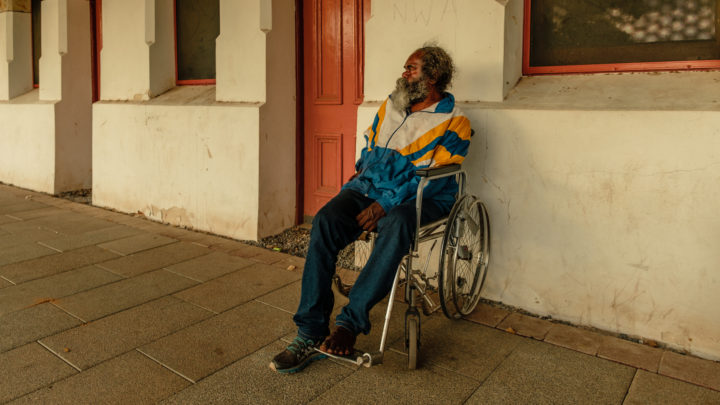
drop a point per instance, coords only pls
(180, 163)
(45, 134)
(277, 162)
(215, 158)
(601, 189)
(27, 143)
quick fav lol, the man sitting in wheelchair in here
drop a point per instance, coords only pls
(418, 126)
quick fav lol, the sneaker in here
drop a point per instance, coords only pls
(297, 356)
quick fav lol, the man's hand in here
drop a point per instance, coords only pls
(369, 217)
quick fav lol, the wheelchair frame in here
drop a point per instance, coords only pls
(417, 281)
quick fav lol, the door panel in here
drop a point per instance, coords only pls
(333, 73)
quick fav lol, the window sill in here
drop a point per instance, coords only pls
(203, 95)
(670, 91)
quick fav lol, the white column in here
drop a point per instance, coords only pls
(15, 48)
(241, 50)
(137, 60)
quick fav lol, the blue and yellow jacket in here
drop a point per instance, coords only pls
(398, 143)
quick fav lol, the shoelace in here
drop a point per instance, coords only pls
(300, 346)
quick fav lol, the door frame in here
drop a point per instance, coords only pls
(299, 115)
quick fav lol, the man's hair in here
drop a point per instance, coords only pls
(438, 65)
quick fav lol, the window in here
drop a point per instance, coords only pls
(36, 44)
(197, 25)
(565, 36)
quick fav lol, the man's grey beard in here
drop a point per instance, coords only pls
(406, 94)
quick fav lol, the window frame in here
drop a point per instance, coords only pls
(187, 82)
(604, 68)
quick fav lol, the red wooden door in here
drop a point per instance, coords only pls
(333, 89)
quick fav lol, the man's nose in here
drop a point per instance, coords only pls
(406, 74)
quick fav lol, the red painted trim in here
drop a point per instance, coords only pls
(299, 116)
(175, 38)
(193, 82)
(96, 45)
(36, 86)
(526, 39)
(604, 68)
(625, 67)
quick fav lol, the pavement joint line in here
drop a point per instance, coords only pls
(8, 280)
(273, 306)
(197, 305)
(99, 265)
(627, 392)
(200, 244)
(59, 356)
(183, 275)
(69, 313)
(113, 251)
(14, 217)
(166, 366)
(49, 247)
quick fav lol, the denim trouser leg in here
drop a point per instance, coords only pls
(395, 234)
(334, 227)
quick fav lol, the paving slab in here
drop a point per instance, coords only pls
(124, 294)
(69, 242)
(37, 213)
(540, 373)
(238, 287)
(573, 338)
(19, 253)
(487, 315)
(630, 353)
(24, 232)
(286, 261)
(393, 383)
(108, 337)
(248, 251)
(6, 219)
(28, 368)
(209, 346)
(691, 369)
(211, 266)
(650, 388)
(28, 325)
(251, 381)
(464, 347)
(154, 259)
(137, 243)
(51, 288)
(54, 264)
(129, 379)
(19, 206)
(524, 325)
(71, 223)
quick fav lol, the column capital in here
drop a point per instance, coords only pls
(24, 6)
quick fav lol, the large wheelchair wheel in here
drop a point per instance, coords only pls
(465, 253)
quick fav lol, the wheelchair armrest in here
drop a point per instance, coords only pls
(437, 171)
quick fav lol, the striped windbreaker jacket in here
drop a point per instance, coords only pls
(398, 143)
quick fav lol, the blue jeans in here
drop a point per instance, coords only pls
(334, 227)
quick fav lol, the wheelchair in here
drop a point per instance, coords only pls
(463, 262)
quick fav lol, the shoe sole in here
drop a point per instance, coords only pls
(299, 367)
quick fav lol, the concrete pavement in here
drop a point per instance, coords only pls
(102, 307)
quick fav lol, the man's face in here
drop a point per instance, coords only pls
(412, 87)
(413, 68)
